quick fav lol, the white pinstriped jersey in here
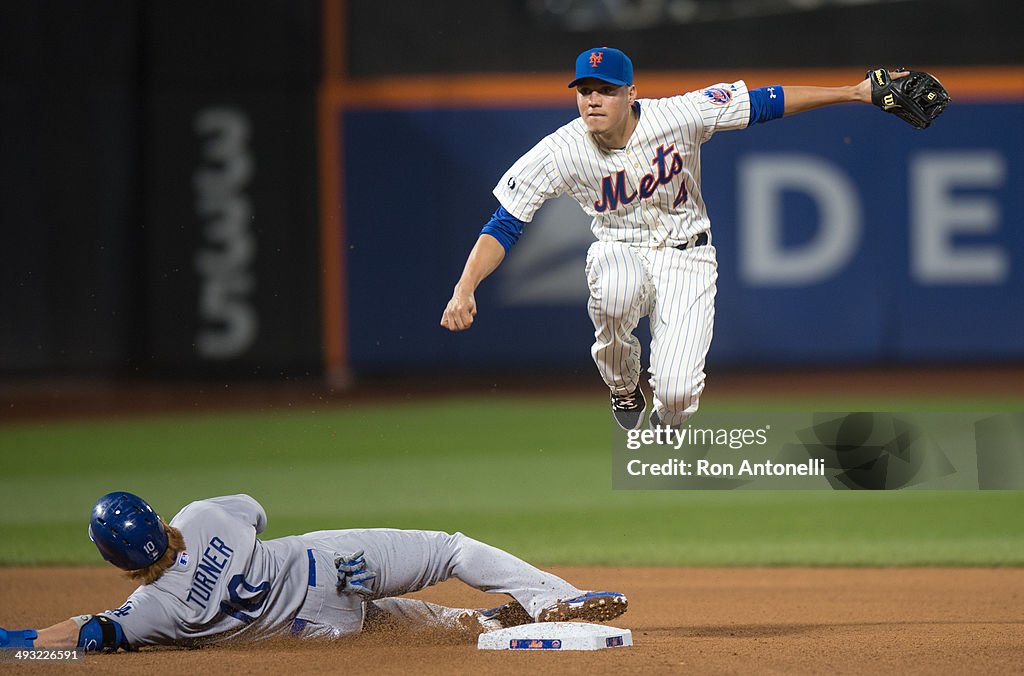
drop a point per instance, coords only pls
(647, 194)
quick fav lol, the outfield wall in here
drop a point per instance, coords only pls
(843, 235)
(160, 188)
(271, 190)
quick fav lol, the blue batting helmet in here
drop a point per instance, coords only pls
(127, 531)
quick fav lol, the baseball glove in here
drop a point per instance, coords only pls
(917, 98)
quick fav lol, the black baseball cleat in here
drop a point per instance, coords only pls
(628, 409)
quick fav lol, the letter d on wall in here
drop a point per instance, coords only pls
(764, 260)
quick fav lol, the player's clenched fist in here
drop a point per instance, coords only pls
(483, 259)
(458, 316)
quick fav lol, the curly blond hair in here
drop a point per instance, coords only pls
(152, 572)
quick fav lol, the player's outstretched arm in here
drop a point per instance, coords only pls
(63, 635)
(89, 632)
(484, 259)
(800, 98)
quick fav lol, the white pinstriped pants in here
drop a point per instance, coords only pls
(676, 290)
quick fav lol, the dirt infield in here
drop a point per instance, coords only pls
(722, 621)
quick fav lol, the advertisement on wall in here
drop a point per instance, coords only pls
(842, 235)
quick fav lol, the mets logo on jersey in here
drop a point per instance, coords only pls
(718, 95)
(668, 164)
(596, 58)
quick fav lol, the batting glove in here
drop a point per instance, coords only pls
(353, 577)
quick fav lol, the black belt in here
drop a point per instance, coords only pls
(700, 240)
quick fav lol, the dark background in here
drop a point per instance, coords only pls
(100, 154)
(534, 35)
(100, 213)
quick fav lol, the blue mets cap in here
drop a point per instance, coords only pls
(606, 64)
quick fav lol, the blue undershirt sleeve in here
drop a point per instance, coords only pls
(766, 103)
(504, 227)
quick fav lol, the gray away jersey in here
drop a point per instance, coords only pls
(647, 194)
(227, 582)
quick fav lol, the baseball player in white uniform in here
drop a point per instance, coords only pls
(207, 578)
(633, 165)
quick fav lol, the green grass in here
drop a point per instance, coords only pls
(531, 477)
